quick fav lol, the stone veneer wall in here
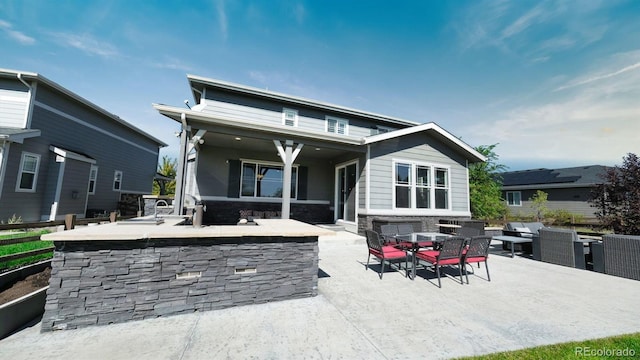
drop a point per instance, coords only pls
(104, 282)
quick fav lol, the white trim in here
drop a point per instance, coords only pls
(20, 170)
(56, 197)
(291, 99)
(356, 186)
(4, 156)
(113, 185)
(413, 212)
(506, 195)
(284, 116)
(267, 163)
(412, 185)
(425, 127)
(31, 101)
(265, 200)
(338, 121)
(93, 127)
(71, 155)
(95, 181)
(367, 180)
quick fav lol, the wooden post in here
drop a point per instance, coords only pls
(69, 221)
(113, 216)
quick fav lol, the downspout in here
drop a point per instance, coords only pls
(178, 203)
(28, 109)
(24, 82)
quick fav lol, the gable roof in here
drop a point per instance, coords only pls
(198, 83)
(581, 176)
(23, 75)
(470, 152)
(17, 135)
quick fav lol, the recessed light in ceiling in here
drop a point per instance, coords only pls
(238, 139)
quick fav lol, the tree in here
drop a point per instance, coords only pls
(166, 168)
(618, 197)
(539, 204)
(485, 186)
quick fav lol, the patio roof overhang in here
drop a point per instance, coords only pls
(224, 131)
(17, 135)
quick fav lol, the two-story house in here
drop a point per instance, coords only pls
(61, 154)
(248, 148)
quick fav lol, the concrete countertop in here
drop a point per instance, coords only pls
(171, 229)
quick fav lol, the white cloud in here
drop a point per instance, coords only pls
(87, 44)
(16, 35)
(595, 120)
(299, 13)
(173, 64)
(222, 18)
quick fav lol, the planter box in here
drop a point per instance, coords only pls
(17, 313)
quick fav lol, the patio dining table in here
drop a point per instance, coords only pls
(414, 239)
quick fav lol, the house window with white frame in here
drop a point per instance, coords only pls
(337, 126)
(117, 180)
(514, 198)
(93, 176)
(28, 173)
(289, 117)
(266, 180)
(420, 186)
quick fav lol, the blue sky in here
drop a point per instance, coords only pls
(553, 83)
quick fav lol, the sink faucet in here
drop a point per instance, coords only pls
(155, 207)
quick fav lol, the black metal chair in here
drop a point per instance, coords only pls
(449, 254)
(383, 252)
(477, 252)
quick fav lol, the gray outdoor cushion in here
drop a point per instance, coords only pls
(534, 227)
(511, 226)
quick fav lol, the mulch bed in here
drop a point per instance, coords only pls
(23, 287)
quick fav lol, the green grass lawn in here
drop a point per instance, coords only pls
(616, 347)
(27, 246)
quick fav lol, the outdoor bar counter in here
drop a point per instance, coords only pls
(130, 270)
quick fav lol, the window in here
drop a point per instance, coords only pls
(93, 176)
(514, 198)
(420, 186)
(289, 117)
(28, 174)
(337, 126)
(117, 180)
(265, 180)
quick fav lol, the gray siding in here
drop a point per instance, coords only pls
(113, 145)
(419, 148)
(270, 112)
(574, 200)
(23, 204)
(14, 98)
(213, 171)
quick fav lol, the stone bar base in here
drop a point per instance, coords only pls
(425, 223)
(104, 282)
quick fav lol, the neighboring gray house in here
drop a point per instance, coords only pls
(245, 148)
(60, 154)
(568, 189)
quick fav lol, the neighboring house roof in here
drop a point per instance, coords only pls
(198, 83)
(23, 76)
(582, 176)
(17, 135)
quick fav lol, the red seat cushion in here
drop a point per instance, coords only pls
(388, 252)
(476, 259)
(428, 255)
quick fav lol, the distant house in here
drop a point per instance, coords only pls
(61, 154)
(567, 189)
(248, 149)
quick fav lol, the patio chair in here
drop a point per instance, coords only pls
(389, 232)
(557, 246)
(404, 229)
(469, 231)
(383, 252)
(449, 254)
(477, 252)
(621, 255)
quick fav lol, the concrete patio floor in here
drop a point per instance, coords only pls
(358, 316)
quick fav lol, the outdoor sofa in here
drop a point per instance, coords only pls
(618, 255)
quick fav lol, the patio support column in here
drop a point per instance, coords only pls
(288, 156)
(178, 201)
